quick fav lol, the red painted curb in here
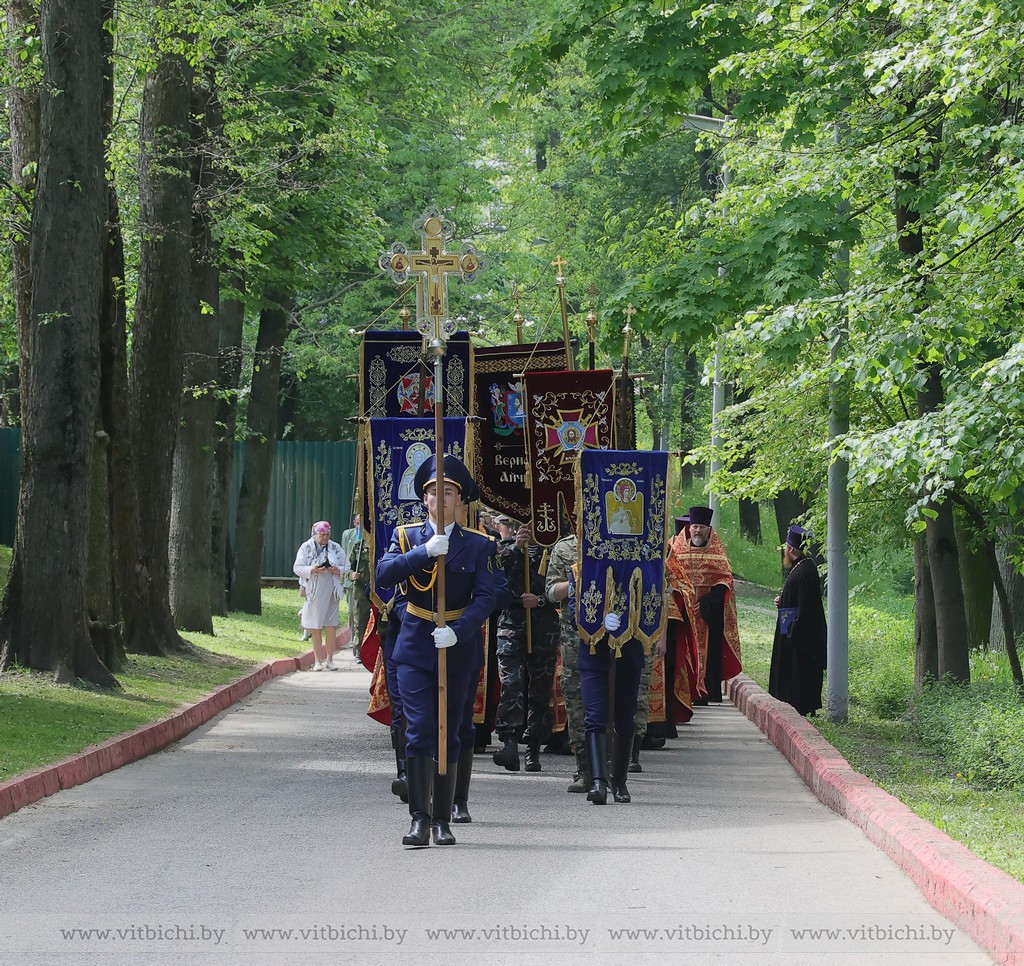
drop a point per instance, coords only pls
(982, 900)
(96, 760)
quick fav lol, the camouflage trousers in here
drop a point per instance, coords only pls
(526, 683)
(643, 702)
(359, 615)
(571, 691)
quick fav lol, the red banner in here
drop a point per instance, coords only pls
(566, 412)
(500, 469)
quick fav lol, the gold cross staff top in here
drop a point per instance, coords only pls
(433, 264)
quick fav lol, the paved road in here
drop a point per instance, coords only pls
(270, 836)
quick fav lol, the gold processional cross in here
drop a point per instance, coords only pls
(432, 265)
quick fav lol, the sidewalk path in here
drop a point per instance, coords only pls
(269, 835)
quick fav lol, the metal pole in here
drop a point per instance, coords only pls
(717, 397)
(837, 691)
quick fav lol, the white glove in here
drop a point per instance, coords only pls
(443, 636)
(437, 545)
(611, 622)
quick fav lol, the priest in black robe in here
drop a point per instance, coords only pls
(800, 650)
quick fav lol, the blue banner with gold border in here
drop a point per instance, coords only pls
(623, 541)
(392, 375)
(394, 450)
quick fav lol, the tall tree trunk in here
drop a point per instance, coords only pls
(926, 644)
(104, 622)
(1009, 542)
(192, 501)
(231, 318)
(23, 132)
(111, 419)
(944, 563)
(978, 582)
(261, 437)
(977, 519)
(688, 417)
(130, 577)
(163, 306)
(750, 520)
(789, 506)
(63, 373)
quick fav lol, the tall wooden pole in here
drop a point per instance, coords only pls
(436, 349)
(559, 264)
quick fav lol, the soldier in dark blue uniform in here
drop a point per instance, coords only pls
(470, 595)
(594, 669)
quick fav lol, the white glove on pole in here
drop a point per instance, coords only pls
(443, 636)
(437, 545)
(611, 622)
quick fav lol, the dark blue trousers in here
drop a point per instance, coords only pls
(594, 670)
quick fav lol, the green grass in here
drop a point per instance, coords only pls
(942, 752)
(42, 722)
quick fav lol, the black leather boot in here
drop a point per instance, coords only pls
(533, 756)
(419, 775)
(441, 805)
(508, 755)
(622, 745)
(460, 805)
(582, 780)
(652, 742)
(597, 756)
(634, 758)
(398, 785)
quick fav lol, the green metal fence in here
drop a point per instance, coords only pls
(311, 481)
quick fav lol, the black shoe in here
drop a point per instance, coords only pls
(419, 775)
(533, 756)
(622, 747)
(440, 833)
(399, 785)
(651, 742)
(581, 780)
(442, 803)
(460, 803)
(419, 831)
(597, 756)
(634, 758)
(508, 755)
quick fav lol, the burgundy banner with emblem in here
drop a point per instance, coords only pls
(566, 412)
(500, 469)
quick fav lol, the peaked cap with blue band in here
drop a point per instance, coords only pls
(455, 472)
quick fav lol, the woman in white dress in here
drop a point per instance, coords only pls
(321, 564)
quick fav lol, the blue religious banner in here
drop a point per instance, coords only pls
(623, 541)
(394, 450)
(392, 375)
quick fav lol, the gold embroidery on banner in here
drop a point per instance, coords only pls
(377, 407)
(455, 388)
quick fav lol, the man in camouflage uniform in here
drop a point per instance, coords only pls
(527, 676)
(359, 601)
(560, 579)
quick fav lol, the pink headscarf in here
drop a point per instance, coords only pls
(321, 527)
